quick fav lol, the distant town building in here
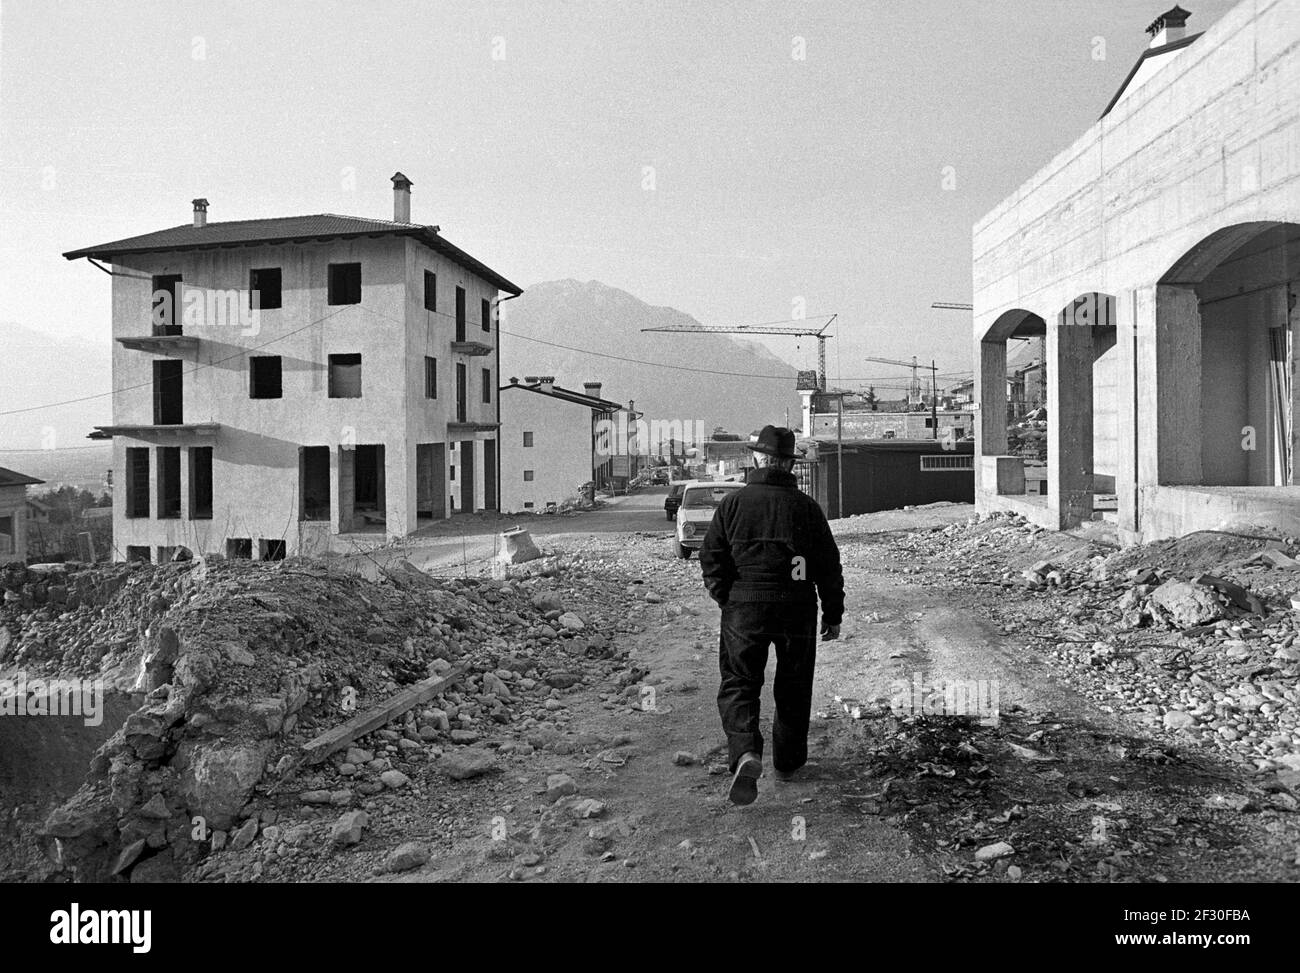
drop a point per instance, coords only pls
(865, 424)
(14, 514)
(555, 441)
(723, 457)
(297, 384)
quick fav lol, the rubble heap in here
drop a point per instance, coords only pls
(80, 619)
(243, 663)
(1194, 638)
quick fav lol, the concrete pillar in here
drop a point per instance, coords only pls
(1130, 417)
(1293, 323)
(1168, 321)
(991, 394)
(399, 498)
(1069, 421)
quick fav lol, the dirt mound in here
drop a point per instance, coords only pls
(249, 661)
(75, 619)
(1206, 550)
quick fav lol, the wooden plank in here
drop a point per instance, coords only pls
(314, 751)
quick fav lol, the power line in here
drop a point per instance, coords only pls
(687, 368)
(143, 385)
(55, 449)
(501, 331)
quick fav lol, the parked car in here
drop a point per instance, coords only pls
(699, 503)
(659, 475)
(674, 498)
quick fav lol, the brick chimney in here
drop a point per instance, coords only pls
(592, 389)
(1169, 27)
(200, 212)
(401, 198)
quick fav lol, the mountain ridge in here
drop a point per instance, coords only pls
(591, 331)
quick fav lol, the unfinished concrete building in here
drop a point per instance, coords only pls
(298, 384)
(1158, 255)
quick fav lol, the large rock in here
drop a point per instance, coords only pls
(348, 829)
(493, 684)
(999, 849)
(571, 622)
(220, 780)
(245, 835)
(546, 601)
(406, 856)
(517, 546)
(558, 786)
(196, 671)
(1185, 605)
(158, 659)
(468, 763)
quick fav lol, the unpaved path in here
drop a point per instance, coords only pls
(887, 797)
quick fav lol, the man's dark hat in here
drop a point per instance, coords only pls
(775, 441)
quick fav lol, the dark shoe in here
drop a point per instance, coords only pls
(744, 784)
(785, 776)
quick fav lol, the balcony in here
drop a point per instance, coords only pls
(467, 429)
(157, 433)
(471, 348)
(160, 344)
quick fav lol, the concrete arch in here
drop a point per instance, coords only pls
(1202, 258)
(1224, 319)
(1015, 323)
(1094, 309)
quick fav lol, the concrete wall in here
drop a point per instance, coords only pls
(256, 451)
(1105, 412)
(1210, 141)
(561, 454)
(904, 425)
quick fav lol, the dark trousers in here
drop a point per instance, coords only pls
(748, 628)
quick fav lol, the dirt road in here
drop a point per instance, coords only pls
(1075, 792)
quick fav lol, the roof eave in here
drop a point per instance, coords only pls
(426, 235)
(1150, 52)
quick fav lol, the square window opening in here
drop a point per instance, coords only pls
(345, 376)
(265, 377)
(264, 289)
(344, 283)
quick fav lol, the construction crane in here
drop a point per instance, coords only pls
(808, 330)
(914, 390)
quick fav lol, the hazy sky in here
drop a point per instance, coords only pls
(528, 128)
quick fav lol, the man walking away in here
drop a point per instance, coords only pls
(767, 557)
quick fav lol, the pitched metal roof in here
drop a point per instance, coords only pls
(289, 229)
(10, 478)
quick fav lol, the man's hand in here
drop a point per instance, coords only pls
(830, 633)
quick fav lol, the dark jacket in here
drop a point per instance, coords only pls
(750, 550)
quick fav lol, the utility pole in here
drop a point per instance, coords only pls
(934, 398)
(839, 457)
